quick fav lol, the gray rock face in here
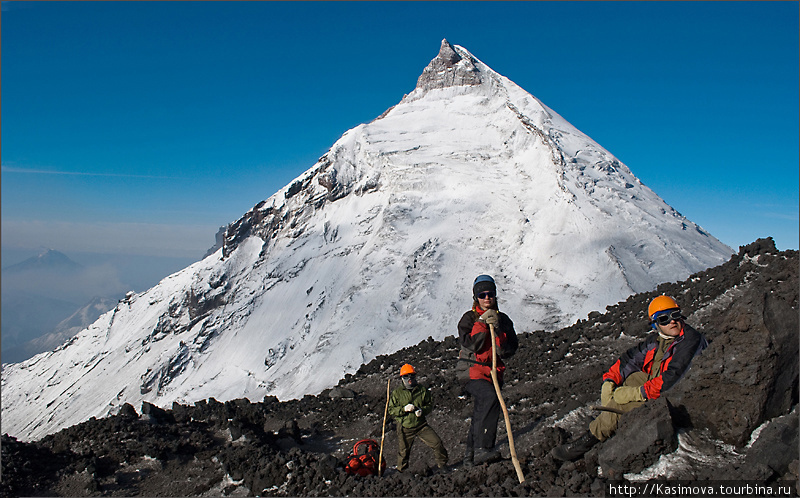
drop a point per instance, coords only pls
(774, 453)
(749, 372)
(643, 435)
(448, 69)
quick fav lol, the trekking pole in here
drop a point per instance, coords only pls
(383, 428)
(514, 459)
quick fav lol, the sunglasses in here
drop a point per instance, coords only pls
(487, 295)
(668, 317)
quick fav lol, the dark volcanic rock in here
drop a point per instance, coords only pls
(154, 414)
(642, 437)
(743, 390)
(774, 454)
(749, 372)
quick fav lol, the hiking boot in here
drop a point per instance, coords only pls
(441, 470)
(576, 449)
(484, 455)
(469, 456)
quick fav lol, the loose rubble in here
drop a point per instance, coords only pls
(736, 408)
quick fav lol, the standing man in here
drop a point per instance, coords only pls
(642, 373)
(409, 404)
(475, 367)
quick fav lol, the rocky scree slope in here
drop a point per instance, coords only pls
(734, 415)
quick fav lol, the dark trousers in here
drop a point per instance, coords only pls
(406, 437)
(485, 414)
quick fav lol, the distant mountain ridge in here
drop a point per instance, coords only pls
(373, 249)
(67, 328)
(47, 259)
(27, 314)
(41, 294)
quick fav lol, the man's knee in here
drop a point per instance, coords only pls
(636, 379)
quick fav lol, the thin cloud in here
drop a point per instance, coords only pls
(9, 169)
(783, 216)
(778, 211)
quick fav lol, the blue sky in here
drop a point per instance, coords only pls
(141, 127)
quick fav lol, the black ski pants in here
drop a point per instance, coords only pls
(485, 414)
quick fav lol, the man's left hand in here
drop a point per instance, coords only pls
(627, 394)
(607, 392)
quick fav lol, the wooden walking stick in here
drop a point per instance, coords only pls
(383, 429)
(600, 408)
(513, 450)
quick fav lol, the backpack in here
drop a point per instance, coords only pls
(364, 459)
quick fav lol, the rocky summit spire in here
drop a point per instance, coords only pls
(447, 69)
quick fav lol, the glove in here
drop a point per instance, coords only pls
(418, 413)
(627, 394)
(489, 317)
(607, 392)
(409, 408)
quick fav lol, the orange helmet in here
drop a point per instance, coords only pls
(661, 303)
(407, 370)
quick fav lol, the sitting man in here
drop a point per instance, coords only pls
(642, 373)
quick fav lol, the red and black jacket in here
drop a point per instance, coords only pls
(677, 359)
(476, 345)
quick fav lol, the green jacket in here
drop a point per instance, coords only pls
(419, 396)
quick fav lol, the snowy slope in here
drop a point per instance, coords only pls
(373, 249)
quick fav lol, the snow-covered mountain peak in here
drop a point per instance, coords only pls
(47, 259)
(373, 249)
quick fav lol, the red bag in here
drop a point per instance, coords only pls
(364, 459)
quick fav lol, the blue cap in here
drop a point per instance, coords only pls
(483, 278)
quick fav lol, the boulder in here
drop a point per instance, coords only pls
(749, 372)
(340, 392)
(773, 453)
(127, 411)
(154, 414)
(643, 435)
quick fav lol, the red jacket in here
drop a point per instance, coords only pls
(476, 345)
(677, 359)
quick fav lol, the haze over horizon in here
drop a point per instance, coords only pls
(134, 131)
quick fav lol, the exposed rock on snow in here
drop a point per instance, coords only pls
(449, 68)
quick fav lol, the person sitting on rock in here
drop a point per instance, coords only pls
(409, 404)
(642, 373)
